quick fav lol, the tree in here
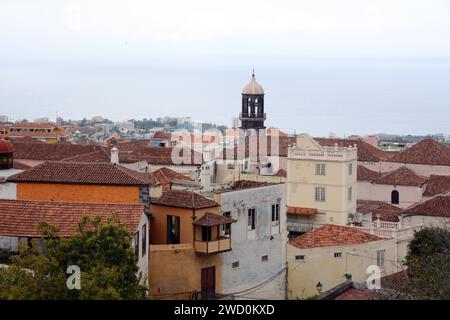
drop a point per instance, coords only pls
(428, 263)
(102, 251)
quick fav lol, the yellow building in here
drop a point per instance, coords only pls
(323, 258)
(41, 131)
(321, 184)
(187, 236)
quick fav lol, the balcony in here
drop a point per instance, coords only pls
(252, 117)
(212, 234)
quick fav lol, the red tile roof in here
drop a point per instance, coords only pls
(436, 185)
(33, 125)
(99, 155)
(165, 176)
(20, 165)
(184, 199)
(331, 235)
(43, 151)
(395, 280)
(302, 211)
(82, 173)
(385, 211)
(211, 219)
(402, 176)
(21, 218)
(427, 151)
(356, 294)
(244, 184)
(366, 152)
(438, 206)
(161, 156)
(365, 174)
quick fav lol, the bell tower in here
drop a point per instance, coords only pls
(252, 115)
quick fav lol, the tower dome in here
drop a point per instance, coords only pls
(253, 87)
(252, 115)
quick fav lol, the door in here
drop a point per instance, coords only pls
(208, 282)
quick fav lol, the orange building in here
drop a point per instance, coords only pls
(188, 233)
(82, 182)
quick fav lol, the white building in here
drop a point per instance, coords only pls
(258, 240)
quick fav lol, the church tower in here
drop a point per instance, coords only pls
(252, 115)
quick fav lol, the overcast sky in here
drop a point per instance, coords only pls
(211, 35)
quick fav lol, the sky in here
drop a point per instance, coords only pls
(341, 66)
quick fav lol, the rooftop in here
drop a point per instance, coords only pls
(253, 87)
(82, 173)
(437, 185)
(165, 175)
(21, 218)
(402, 176)
(384, 210)
(365, 174)
(438, 206)
(427, 151)
(211, 219)
(184, 199)
(332, 235)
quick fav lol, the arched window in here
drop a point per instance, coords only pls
(394, 197)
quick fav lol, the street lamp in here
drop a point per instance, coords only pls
(319, 287)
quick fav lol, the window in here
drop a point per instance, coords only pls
(206, 233)
(300, 258)
(251, 219)
(275, 212)
(230, 166)
(338, 254)
(350, 194)
(265, 258)
(144, 239)
(227, 227)
(395, 197)
(173, 230)
(235, 264)
(380, 258)
(320, 194)
(136, 244)
(320, 169)
(350, 169)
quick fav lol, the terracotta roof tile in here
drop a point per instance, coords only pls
(165, 176)
(44, 151)
(331, 235)
(356, 294)
(384, 210)
(402, 176)
(395, 280)
(184, 199)
(302, 211)
(20, 165)
(99, 155)
(211, 219)
(365, 174)
(21, 218)
(366, 152)
(438, 206)
(437, 185)
(244, 184)
(427, 151)
(82, 173)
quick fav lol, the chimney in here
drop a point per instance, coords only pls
(115, 155)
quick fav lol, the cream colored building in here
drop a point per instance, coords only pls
(331, 255)
(321, 184)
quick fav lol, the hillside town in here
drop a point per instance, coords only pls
(246, 212)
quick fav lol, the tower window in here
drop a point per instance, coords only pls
(350, 194)
(251, 219)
